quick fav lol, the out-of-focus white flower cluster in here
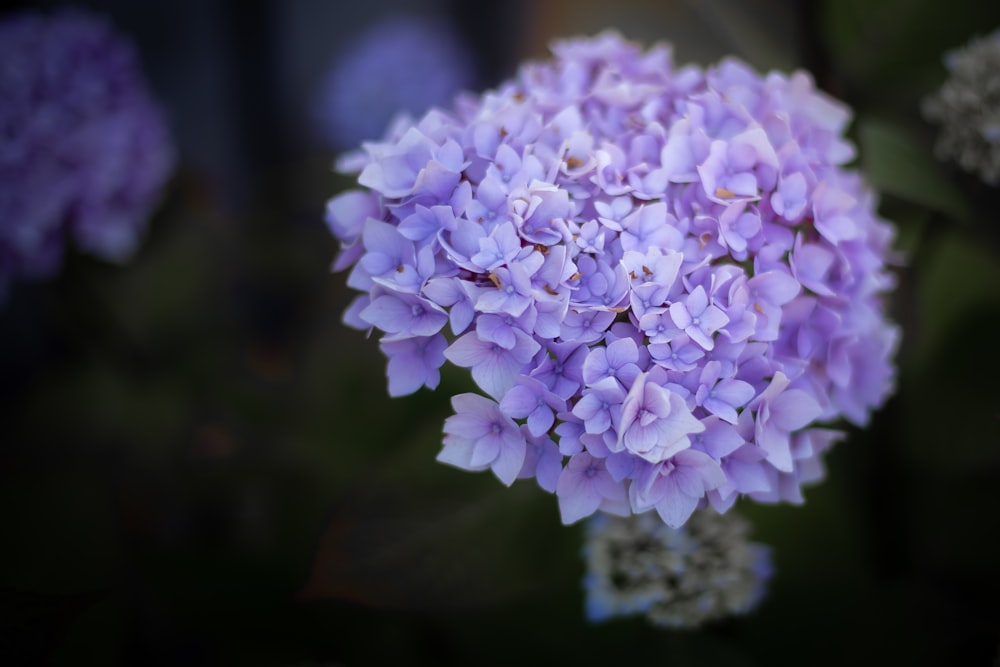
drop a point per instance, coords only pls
(967, 107)
(677, 577)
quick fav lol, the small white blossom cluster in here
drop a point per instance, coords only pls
(678, 577)
(967, 107)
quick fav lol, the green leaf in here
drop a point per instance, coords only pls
(958, 276)
(882, 47)
(895, 164)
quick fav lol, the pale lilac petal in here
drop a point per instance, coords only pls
(540, 420)
(675, 506)
(485, 451)
(458, 453)
(468, 350)
(510, 459)
(794, 409)
(577, 489)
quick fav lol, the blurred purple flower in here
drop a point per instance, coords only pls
(667, 279)
(84, 148)
(402, 64)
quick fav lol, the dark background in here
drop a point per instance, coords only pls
(199, 464)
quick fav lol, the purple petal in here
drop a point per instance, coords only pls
(794, 409)
(520, 401)
(622, 351)
(468, 351)
(675, 506)
(540, 420)
(510, 458)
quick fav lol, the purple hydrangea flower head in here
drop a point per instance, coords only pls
(967, 107)
(666, 280)
(683, 577)
(84, 148)
(399, 65)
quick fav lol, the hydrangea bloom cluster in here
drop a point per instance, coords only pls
(968, 109)
(677, 577)
(84, 149)
(664, 281)
(400, 65)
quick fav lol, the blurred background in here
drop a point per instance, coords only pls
(199, 464)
